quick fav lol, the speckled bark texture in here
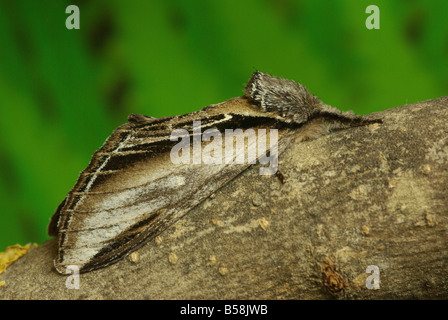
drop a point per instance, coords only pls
(373, 195)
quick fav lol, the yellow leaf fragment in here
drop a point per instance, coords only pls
(13, 253)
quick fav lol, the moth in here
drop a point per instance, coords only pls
(131, 191)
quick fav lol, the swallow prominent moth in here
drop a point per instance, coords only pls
(152, 171)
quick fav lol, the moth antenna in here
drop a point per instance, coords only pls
(344, 119)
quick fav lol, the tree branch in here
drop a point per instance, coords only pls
(373, 195)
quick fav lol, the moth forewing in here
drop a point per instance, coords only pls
(132, 190)
(143, 179)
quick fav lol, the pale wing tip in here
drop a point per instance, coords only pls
(68, 269)
(61, 268)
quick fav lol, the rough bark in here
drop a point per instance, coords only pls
(373, 195)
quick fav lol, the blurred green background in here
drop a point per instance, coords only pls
(62, 92)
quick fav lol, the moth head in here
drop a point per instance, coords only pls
(289, 99)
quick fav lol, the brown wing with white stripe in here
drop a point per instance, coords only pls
(131, 190)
